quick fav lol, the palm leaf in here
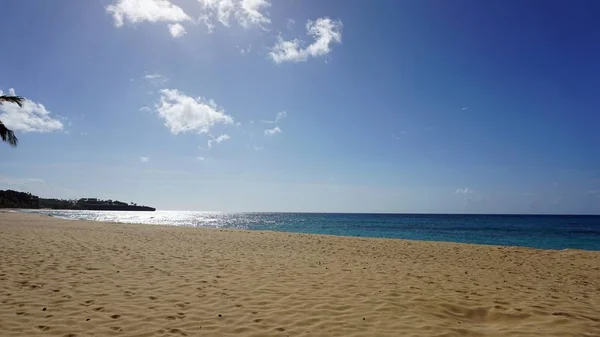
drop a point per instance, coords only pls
(8, 135)
(12, 99)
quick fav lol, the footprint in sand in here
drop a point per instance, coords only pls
(115, 316)
(43, 327)
(177, 331)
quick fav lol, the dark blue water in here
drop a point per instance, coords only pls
(537, 231)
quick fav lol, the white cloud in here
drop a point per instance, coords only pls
(258, 148)
(32, 117)
(206, 20)
(187, 114)
(251, 13)
(246, 50)
(144, 159)
(324, 31)
(156, 80)
(137, 11)
(273, 131)
(247, 13)
(200, 158)
(290, 23)
(280, 116)
(177, 30)
(398, 136)
(218, 140)
(465, 108)
(222, 9)
(465, 190)
(66, 120)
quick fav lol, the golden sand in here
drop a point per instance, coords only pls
(79, 278)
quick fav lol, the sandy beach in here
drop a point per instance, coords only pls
(80, 278)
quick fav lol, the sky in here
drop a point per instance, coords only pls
(306, 106)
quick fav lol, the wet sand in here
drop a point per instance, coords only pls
(81, 278)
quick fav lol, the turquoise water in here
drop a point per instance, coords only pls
(537, 231)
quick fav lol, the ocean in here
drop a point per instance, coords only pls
(536, 231)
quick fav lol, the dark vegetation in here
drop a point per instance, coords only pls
(14, 199)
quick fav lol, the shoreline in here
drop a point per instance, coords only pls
(153, 280)
(358, 213)
(306, 233)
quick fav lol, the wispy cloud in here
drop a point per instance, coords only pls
(290, 23)
(280, 116)
(207, 21)
(144, 159)
(218, 140)
(156, 80)
(245, 51)
(32, 117)
(324, 31)
(138, 11)
(594, 192)
(398, 135)
(273, 131)
(465, 190)
(465, 108)
(201, 158)
(187, 114)
(177, 30)
(247, 13)
(258, 148)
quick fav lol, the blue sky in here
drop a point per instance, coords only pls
(344, 106)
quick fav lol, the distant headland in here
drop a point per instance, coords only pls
(15, 199)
